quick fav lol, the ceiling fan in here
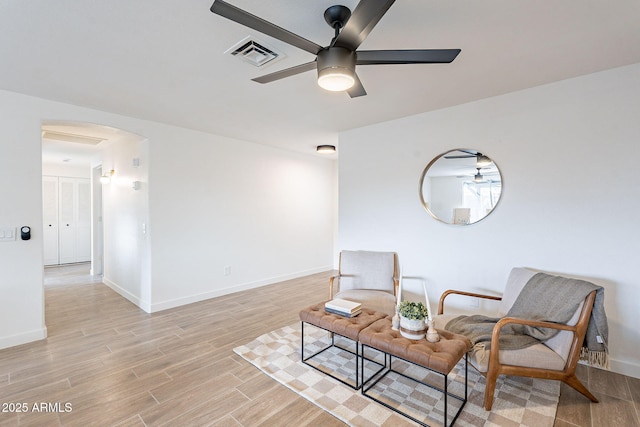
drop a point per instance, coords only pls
(482, 161)
(336, 62)
(480, 176)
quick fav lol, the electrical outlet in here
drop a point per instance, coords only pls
(227, 270)
(474, 302)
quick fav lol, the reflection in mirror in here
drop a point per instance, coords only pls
(460, 186)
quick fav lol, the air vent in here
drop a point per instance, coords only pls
(255, 52)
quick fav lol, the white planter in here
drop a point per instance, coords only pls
(412, 329)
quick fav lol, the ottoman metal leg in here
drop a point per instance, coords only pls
(366, 387)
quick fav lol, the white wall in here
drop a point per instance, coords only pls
(265, 213)
(569, 155)
(21, 262)
(212, 202)
(125, 215)
(52, 169)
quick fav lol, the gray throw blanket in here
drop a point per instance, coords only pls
(545, 298)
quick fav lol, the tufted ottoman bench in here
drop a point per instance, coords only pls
(440, 357)
(347, 327)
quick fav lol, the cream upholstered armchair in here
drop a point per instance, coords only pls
(555, 358)
(367, 277)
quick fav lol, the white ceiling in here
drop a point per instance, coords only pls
(76, 144)
(164, 60)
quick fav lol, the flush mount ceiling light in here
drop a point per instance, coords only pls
(326, 149)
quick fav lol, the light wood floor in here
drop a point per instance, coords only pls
(116, 365)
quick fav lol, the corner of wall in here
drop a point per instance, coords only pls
(23, 338)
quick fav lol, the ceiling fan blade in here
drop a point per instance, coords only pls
(357, 89)
(233, 13)
(363, 18)
(469, 154)
(414, 56)
(287, 72)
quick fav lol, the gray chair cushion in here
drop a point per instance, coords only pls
(519, 276)
(367, 270)
(379, 301)
(560, 344)
(536, 356)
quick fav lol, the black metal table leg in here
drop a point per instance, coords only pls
(359, 370)
(366, 387)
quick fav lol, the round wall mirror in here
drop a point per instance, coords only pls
(460, 187)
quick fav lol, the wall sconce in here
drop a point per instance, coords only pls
(106, 179)
(326, 149)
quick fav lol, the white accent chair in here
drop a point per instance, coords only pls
(555, 359)
(367, 277)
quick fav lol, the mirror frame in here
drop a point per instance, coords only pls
(424, 174)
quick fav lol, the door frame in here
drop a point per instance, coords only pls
(97, 226)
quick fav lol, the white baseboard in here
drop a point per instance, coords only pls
(144, 305)
(24, 338)
(625, 368)
(165, 305)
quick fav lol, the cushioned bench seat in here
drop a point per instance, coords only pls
(344, 326)
(441, 356)
(348, 327)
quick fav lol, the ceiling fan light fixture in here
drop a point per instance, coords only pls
(336, 69)
(335, 79)
(336, 63)
(483, 161)
(478, 177)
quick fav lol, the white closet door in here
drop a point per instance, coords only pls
(74, 219)
(67, 231)
(50, 219)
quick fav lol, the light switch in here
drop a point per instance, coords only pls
(7, 234)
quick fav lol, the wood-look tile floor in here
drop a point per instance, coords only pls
(107, 363)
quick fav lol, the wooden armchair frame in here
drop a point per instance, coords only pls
(567, 375)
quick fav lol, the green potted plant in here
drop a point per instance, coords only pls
(412, 319)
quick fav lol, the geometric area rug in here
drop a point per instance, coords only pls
(518, 401)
